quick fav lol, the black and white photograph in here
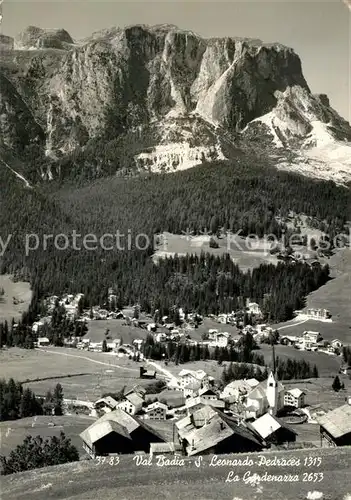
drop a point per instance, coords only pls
(175, 250)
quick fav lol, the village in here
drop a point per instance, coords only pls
(247, 320)
(245, 416)
(200, 413)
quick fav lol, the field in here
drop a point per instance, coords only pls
(242, 254)
(87, 480)
(319, 393)
(319, 398)
(83, 375)
(117, 330)
(329, 331)
(328, 365)
(334, 296)
(20, 291)
(13, 432)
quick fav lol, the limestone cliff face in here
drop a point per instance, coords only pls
(17, 124)
(169, 72)
(163, 77)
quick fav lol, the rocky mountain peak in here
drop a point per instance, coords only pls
(37, 38)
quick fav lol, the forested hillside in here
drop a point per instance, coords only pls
(233, 195)
(244, 194)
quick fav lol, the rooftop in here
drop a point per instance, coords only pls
(198, 374)
(199, 400)
(99, 430)
(295, 392)
(266, 425)
(156, 404)
(215, 429)
(134, 398)
(338, 421)
(115, 421)
(108, 400)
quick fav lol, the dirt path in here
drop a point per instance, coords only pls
(111, 365)
(293, 324)
(161, 369)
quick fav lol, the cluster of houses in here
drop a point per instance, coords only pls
(243, 417)
(254, 398)
(69, 302)
(251, 308)
(312, 341)
(209, 422)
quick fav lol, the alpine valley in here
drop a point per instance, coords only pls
(154, 129)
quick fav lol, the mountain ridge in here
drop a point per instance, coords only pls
(162, 81)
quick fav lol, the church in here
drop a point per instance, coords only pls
(268, 396)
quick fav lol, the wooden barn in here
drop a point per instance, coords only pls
(335, 427)
(272, 430)
(117, 432)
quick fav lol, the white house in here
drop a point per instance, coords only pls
(194, 404)
(181, 314)
(289, 339)
(190, 381)
(42, 342)
(235, 390)
(208, 394)
(212, 332)
(83, 344)
(311, 336)
(106, 404)
(156, 411)
(262, 328)
(160, 337)
(220, 339)
(95, 346)
(223, 319)
(132, 403)
(306, 345)
(249, 329)
(319, 314)
(113, 344)
(188, 377)
(294, 397)
(138, 343)
(253, 308)
(37, 325)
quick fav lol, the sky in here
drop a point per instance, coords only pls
(319, 31)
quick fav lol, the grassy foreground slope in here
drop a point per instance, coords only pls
(126, 481)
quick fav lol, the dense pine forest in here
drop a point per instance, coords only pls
(232, 195)
(17, 402)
